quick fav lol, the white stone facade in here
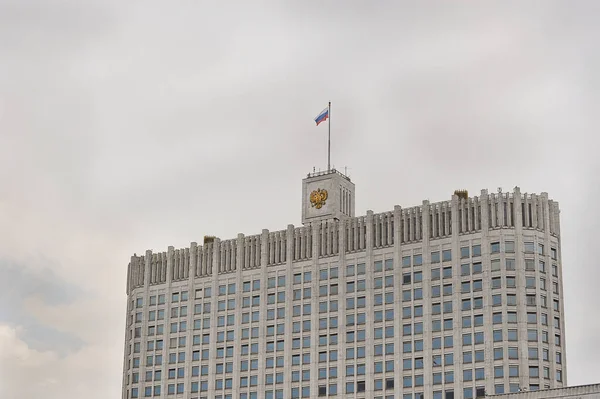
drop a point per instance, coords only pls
(446, 287)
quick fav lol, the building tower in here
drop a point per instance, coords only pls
(452, 299)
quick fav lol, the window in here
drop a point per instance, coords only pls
(509, 246)
(435, 257)
(468, 375)
(479, 374)
(406, 261)
(495, 265)
(498, 353)
(466, 304)
(465, 287)
(447, 255)
(465, 269)
(418, 277)
(447, 272)
(532, 353)
(497, 318)
(532, 335)
(476, 250)
(511, 264)
(495, 247)
(417, 260)
(466, 321)
(529, 265)
(529, 247)
(479, 337)
(497, 335)
(465, 252)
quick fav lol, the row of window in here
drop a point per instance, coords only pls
(356, 386)
(415, 311)
(360, 369)
(466, 287)
(351, 270)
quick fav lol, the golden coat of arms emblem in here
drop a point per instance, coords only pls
(318, 198)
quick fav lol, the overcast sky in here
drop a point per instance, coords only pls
(134, 125)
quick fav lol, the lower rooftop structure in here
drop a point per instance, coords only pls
(576, 392)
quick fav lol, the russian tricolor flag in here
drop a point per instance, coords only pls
(323, 116)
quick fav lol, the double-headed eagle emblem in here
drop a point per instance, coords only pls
(318, 198)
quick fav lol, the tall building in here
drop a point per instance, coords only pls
(442, 300)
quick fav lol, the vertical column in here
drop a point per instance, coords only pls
(380, 230)
(447, 212)
(471, 209)
(190, 314)
(355, 233)
(328, 237)
(271, 248)
(127, 356)
(290, 245)
(212, 258)
(534, 215)
(361, 234)
(520, 282)
(477, 214)
(296, 250)
(370, 239)
(392, 237)
(526, 211)
(167, 330)
(262, 341)
(303, 243)
(426, 210)
(501, 207)
(406, 223)
(336, 236)
(239, 264)
(509, 218)
(398, 211)
(216, 259)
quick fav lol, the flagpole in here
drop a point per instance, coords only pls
(329, 139)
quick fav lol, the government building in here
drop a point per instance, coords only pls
(456, 299)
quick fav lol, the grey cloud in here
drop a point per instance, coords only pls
(19, 284)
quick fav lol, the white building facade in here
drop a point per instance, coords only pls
(442, 300)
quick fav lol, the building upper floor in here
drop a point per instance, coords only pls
(342, 234)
